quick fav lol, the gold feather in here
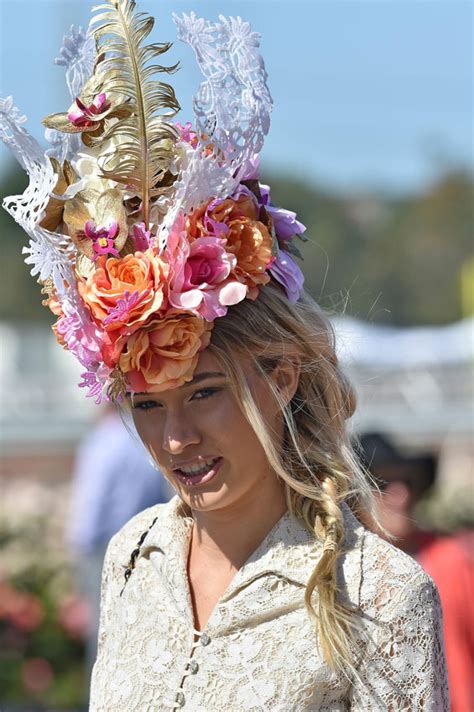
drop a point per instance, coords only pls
(145, 140)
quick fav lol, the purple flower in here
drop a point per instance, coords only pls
(90, 381)
(285, 270)
(251, 168)
(285, 222)
(120, 311)
(243, 190)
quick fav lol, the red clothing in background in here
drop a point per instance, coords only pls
(450, 563)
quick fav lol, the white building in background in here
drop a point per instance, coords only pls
(415, 384)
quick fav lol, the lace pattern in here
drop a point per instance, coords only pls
(26, 209)
(259, 650)
(231, 107)
(48, 252)
(77, 54)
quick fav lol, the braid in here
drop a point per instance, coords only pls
(329, 614)
(134, 555)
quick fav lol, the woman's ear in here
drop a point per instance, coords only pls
(286, 377)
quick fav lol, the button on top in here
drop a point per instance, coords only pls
(193, 666)
(180, 699)
(205, 640)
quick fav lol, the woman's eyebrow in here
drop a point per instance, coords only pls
(197, 379)
(205, 374)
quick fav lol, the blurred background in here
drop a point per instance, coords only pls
(371, 144)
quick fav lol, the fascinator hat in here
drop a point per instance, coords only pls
(143, 230)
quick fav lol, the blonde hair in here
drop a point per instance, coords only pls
(315, 461)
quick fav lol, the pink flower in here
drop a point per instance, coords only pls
(75, 615)
(121, 310)
(80, 335)
(92, 114)
(94, 386)
(199, 274)
(142, 237)
(187, 134)
(26, 612)
(102, 237)
(37, 675)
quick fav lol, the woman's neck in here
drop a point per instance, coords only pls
(227, 537)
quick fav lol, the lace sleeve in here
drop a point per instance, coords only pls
(109, 588)
(404, 668)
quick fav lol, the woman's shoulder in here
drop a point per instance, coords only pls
(127, 538)
(379, 577)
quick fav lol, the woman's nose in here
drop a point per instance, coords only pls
(178, 434)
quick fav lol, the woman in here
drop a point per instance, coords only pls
(170, 271)
(256, 588)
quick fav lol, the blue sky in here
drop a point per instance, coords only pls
(368, 93)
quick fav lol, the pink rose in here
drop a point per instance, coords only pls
(199, 274)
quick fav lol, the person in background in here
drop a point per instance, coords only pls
(112, 481)
(449, 560)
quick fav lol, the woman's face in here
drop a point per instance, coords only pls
(201, 440)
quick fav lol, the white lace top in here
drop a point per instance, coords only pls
(259, 650)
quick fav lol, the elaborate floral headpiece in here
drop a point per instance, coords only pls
(144, 231)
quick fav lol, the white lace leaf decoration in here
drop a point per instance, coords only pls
(233, 103)
(77, 54)
(27, 209)
(232, 109)
(50, 255)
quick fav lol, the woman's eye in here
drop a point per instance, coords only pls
(145, 405)
(204, 393)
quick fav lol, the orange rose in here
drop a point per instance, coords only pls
(224, 212)
(164, 353)
(251, 243)
(142, 275)
(246, 237)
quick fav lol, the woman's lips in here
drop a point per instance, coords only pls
(198, 479)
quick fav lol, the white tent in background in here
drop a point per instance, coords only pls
(365, 344)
